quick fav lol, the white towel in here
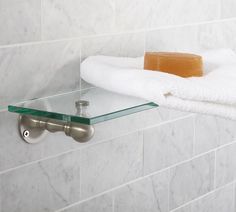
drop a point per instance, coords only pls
(214, 93)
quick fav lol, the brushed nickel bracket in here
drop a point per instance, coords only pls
(33, 129)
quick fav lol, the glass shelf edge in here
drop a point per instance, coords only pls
(82, 120)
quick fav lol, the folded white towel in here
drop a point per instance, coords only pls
(214, 93)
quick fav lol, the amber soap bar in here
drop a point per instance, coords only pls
(181, 64)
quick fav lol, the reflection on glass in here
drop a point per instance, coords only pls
(98, 105)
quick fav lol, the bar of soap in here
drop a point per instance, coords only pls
(181, 64)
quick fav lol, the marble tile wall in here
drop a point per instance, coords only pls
(159, 160)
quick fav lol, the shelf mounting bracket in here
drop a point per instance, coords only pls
(33, 129)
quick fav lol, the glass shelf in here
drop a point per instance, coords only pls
(103, 105)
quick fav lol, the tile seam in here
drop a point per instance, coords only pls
(116, 33)
(88, 146)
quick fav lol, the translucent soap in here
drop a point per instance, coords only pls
(181, 64)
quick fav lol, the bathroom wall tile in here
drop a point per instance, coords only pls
(168, 144)
(193, 38)
(33, 71)
(126, 45)
(183, 39)
(171, 12)
(149, 194)
(225, 165)
(44, 186)
(218, 35)
(110, 164)
(19, 21)
(137, 121)
(218, 201)
(191, 180)
(140, 14)
(228, 8)
(71, 18)
(132, 16)
(211, 132)
(15, 152)
(103, 203)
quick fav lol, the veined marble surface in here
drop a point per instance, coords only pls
(149, 194)
(72, 18)
(212, 132)
(45, 186)
(168, 144)
(20, 21)
(225, 165)
(193, 38)
(191, 180)
(103, 203)
(140, 14)
(218, 201)
(39, 70)
(110, 164)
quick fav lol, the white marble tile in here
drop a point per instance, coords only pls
(193, 38)
(102, 203)
(172, 12)
(218, 201)
(225, 165)
(228, 8)
(132, 15)
(191, 180)
(140, 14)
(184, 39)
(110, 164)
(125, 45)
(38, 70)
(19, 21)
(149, 194)
(44, 186)
(168, 144)
(15, 152)
(137, 121)
(218, 35)
(71, 18)
(206, 133)
(211, 132)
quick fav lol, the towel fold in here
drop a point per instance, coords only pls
(214, 93)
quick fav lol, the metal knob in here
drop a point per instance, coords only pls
(81, 106)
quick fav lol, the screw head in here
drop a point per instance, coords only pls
(26, 133)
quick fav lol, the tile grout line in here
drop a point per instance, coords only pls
(139, 179)
(194, 135)
(41, 20)
(111, 190)
(143, 153)
(204, 195)
(113, 201)
(90, 145)
(106, 141)
(234, 195)
(167, 169)
(168, 194)
(118, 33)
(215, 170)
